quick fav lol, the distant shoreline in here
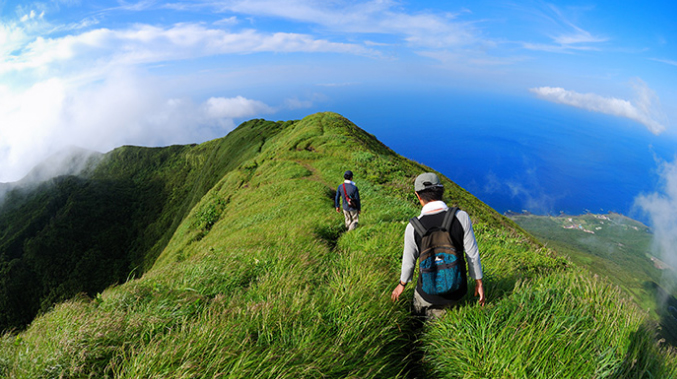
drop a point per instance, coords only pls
(510, 213)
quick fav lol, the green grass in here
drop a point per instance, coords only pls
(260, 280)
(82, 234)
(618, 249)
(556, 326)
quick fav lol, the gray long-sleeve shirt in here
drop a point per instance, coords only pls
(410, 253)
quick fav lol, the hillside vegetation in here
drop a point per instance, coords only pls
(619, 248)
(249, 273)
(72, 235)
(611, 245)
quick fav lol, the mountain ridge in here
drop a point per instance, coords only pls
(255, 276)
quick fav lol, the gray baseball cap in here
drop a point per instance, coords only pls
(427, 180)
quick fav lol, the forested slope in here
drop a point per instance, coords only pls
(250, 274)
(74, 234)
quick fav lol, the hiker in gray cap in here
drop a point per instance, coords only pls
(352, 207)
(441, 239)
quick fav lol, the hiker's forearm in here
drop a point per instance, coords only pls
(409, 255)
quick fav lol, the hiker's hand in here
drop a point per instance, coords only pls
(397, 292)
(337, 209)
(479, 290)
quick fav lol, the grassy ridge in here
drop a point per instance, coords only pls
(259, 280)
(84, 233)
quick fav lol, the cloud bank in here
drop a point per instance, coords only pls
(126, 108)
(645, 109)
(661, 208)
(92, 90)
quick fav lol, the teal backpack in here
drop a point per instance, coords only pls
(440, 264)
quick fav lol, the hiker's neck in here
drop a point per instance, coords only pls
(423, 202)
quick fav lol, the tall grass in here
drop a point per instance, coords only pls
(260, 280)
(555, 326)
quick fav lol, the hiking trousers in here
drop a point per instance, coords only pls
(429, 310)
(351, 219)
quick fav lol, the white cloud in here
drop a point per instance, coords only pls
(144, 44)
(533, 199)
(661, 208)
(136, 6)
(666, 61)
(84, 90)
(219, 107)
(645, 109)
(580, 36)
(12, 38)
(493, 184)
(558, 48)
(229, 21)
(126, 108)
(567, 36)
(422, 29)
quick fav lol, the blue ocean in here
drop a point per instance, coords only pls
(523, 154)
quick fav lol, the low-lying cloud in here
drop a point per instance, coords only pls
(93, 89)
(645, 109)
(533, 199)
(124, 109)
(661, 209)
(524, 188)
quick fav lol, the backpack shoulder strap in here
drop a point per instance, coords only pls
(418, 227)
(449, 218)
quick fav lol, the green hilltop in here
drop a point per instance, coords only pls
(227, 260)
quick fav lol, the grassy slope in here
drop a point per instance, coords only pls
(260, 281)
(618, 248)
(84, 233)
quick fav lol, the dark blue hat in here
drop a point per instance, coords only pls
(348, 175)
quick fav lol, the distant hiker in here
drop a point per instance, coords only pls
(352, 207)
(442, 278)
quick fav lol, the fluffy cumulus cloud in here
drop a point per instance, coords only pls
(219, 108)
(661, 208)
(126, 108)
(645, 109)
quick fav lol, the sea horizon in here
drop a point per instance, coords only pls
(523, 155)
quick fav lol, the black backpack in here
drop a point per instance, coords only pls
(441, 266)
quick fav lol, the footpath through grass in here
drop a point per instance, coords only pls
(260, 280)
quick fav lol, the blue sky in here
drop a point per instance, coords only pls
(101, 74)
